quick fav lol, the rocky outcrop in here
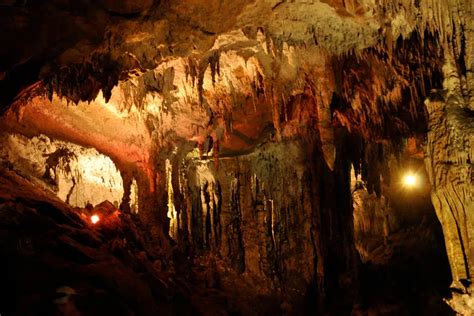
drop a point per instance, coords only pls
(55, 261)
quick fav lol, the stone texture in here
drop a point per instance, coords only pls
(77, 175)
(449, 162)
(265, 227)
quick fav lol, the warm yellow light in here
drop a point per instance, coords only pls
(95, 219)
(410, 180)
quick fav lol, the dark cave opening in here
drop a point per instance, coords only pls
(404, 257)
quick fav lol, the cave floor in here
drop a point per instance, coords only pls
(408, 275)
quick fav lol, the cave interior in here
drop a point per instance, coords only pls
(245, 157)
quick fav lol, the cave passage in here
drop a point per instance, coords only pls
(200, 157)
(405, 268)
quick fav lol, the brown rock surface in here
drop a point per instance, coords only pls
(127, 6)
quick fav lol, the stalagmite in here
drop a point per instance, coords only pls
(449, 153)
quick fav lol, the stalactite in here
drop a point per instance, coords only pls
(215, 66)
(275, 101)
(325, 128)
(125, 204)
(172, 213)
(133, 197)
(236, 250)
(187, 204)
(244, 212)
(200, 82)
(215, 152)
(191, 70)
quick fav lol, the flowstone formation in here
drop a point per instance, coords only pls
(230, 129)
(449, 162)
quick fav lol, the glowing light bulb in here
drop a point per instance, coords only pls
(95, 219)
(410, 180)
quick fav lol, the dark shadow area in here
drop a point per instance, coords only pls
(405, 268)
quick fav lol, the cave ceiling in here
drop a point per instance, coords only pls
(133, 78)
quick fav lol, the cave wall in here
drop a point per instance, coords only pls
(396, 206)
(449, 164)
(278, 221)
(78, 176)
(257, 221)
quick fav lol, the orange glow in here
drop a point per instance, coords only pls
(95, 218)
(410, 180)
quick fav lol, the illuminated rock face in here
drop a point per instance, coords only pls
(78, 175)
(450, 150)
(397, 207)
(265, 218)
